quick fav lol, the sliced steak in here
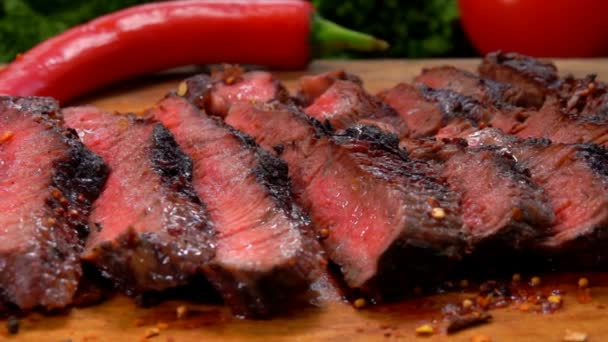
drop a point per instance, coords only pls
(150, 231)
(501, 207)
(48, 181)
(575, 179)
(266, 252)
(312, 86)
(534, 77)
(346, 103)
(553, 123)
(469, 84)
(445, 113)
(217, 92)
(376, 210)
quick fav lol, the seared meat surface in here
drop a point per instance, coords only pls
(48, 182)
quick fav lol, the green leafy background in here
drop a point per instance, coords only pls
(415, 28)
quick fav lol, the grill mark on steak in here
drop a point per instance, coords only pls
(151, 231)
(502, 208)
(215, 93)
(266, 251)
(446, 113)
(346, 104)
(468, 84)
(551, 122)
(534, 77)
(573, 179)
(372, 202)
(48, 181)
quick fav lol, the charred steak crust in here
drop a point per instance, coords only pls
(596, 156)
(164, 236)
(454, 105)
(535, 78)
(464, 82)
(540, 71)
(51, 237)
(172, 164)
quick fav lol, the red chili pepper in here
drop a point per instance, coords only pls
(158, 36)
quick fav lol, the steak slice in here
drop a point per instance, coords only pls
(445, 113)
(48, 181)
(313, 86)
(551, 122)
(150, 232)
(266, 252)
(372, 205)
(501, 207)
(469, 84)
(574, 178)
(215, 93)
(534, 77)
(346, 103)
(310, 87)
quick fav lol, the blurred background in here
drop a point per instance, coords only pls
(414, 28)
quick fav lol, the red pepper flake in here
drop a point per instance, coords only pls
(516, 214)
(584, 296)
(6, 136)
(484, 302)
(323, 233)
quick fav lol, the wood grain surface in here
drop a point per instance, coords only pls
(120, 320)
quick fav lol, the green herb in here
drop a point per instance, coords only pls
(414, 28)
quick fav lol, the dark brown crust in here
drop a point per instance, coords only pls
(484, 90)
(454, 105)
(52, 260)
(534, 77)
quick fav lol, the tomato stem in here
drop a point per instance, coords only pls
(327, 35)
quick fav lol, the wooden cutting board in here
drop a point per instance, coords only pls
(120, 320)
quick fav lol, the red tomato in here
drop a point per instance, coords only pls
(540, 28)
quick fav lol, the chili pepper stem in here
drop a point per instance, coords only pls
(327, 35)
